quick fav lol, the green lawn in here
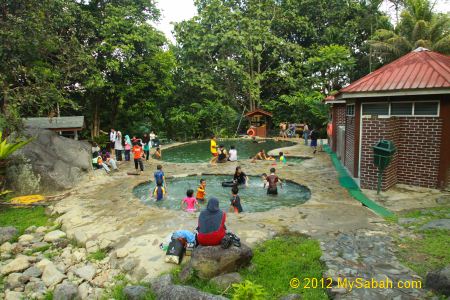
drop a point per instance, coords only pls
(22, 218)
(429, 251)
(275, 263)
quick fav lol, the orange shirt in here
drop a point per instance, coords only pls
(137, 151)
(200, 193)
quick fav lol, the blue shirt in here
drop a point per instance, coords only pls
(159, 176)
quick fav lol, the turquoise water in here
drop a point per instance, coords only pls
(199, 152)
(254, 198)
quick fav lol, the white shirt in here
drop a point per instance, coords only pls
(112, 136)
(152, 136)
(233, 155)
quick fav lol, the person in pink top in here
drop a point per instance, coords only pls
(190, 203)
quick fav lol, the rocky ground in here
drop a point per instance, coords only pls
(103, 216)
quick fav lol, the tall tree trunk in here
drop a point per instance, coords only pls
(95, 121)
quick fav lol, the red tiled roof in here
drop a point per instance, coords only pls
(419, 69)
(258, 112)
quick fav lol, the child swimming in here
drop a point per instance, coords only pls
(190, 201)
(282, 157)
(201, 193)
(264, 180)
(159, 192)
(235, 201)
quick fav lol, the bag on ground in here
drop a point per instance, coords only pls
(175, 252)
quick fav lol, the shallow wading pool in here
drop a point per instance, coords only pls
(254, 198)
(198, 152)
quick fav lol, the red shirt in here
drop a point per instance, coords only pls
(137, 151)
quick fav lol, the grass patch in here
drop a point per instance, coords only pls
(275, 263)
(430, 250)
(48, 295)
(97, 255)
(279, 260)
(22, 218)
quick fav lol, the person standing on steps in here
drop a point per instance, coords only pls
(147, 145)
(137, 156)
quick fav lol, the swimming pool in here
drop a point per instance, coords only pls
(199, 151)
(254, 198)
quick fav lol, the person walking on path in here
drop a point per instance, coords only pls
(305, 133)
(314, 136)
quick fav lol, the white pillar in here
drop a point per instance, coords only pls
(76, 135)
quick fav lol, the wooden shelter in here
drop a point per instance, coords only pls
(66, 126)
(260, 120)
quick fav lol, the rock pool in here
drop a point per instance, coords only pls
(253, 197)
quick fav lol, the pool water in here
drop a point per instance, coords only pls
(254, 198)
(199, 152)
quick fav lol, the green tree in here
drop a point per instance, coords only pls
(41, 58)
(419, 26)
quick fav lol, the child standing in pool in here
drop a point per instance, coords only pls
(159, 192)
(264, 180)
(201, 193)
(273, 181)
(235, 201)
(190, 201)
(159, 175)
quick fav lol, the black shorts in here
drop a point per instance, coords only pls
(272, 191)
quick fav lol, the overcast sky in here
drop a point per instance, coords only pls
(179, 10)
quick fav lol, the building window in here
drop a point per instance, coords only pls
(401, 109)
(351, 110)
(418, 108)
(426, 108)
(379, 109)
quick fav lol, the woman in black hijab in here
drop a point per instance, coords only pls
(211, 224)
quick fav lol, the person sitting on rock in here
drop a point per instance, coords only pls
(211, 224)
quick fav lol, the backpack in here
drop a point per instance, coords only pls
(175, 252)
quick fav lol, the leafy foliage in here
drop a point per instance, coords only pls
(418, 27)
(8, 148)
(247, 290)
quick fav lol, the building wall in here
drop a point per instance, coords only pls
(418, 142)
(419, 149)
(338, 120)
(374, 129)
(350, 131)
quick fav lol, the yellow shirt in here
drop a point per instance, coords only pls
(213, 146)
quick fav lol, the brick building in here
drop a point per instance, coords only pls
(406, 101)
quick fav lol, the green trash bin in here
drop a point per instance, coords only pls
(383, 152)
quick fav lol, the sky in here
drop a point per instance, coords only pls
(179, 10)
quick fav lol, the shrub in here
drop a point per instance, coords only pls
(247, 290)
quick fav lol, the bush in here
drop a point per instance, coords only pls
(247, 290)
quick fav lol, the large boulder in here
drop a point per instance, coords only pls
(211, 261)
(439, 281)
(60, 162)
(7, 233)
(165, 290)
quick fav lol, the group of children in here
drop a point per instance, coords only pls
(192, 204)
